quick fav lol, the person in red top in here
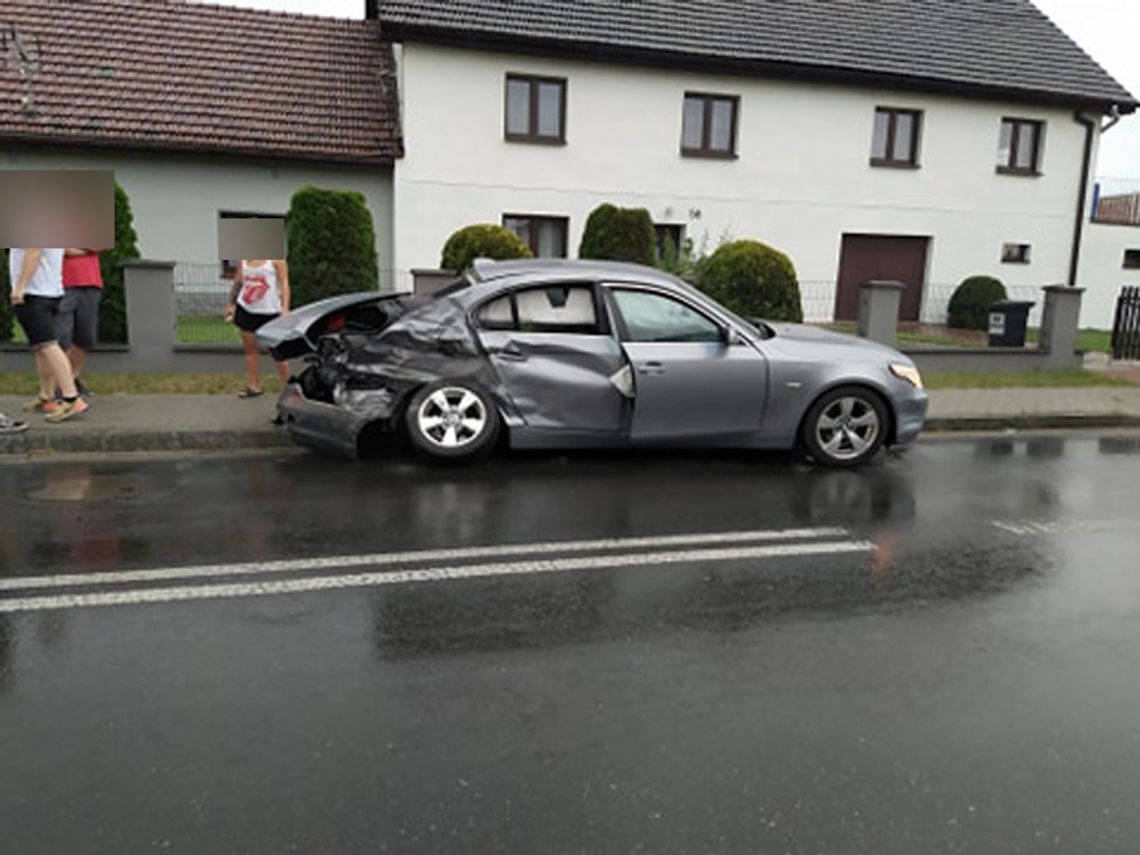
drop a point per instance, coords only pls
(77, 323)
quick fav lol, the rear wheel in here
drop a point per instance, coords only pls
(845, 427)
(452, 420)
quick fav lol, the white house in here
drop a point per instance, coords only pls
(914, 141)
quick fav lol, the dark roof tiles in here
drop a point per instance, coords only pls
(1005, 46)
(167, 74)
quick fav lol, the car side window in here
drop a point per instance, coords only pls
(655, 317)
(549, 309)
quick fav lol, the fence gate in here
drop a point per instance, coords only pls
(1126, 327)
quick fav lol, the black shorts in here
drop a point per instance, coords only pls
(78, 319)
(37, 316)
(250, 321)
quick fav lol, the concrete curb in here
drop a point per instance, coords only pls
(118, 441)
(984, 424)
(36, 442)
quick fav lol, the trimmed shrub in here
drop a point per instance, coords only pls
(112, 306)
(619, 234)
(970, 304)
(7, 319)
(331, 245)
(482, 240)
(754, 280)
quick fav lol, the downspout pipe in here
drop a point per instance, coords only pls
(1091, 123)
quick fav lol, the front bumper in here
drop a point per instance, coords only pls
(910, 415)
(315, 424)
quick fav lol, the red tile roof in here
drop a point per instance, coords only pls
(172, 75)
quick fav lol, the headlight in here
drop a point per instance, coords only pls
(908, 373)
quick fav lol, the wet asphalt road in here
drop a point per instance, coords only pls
(942, 656)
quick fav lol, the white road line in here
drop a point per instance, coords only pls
(382, 559)
(428, 574)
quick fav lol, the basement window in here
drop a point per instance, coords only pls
(1132, 259)
(1015, 253)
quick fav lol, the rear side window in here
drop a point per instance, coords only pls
(550, 309)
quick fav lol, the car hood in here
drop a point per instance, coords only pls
(811, 335)
(296, 333)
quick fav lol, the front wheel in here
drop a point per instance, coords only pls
(845, 427)
(452, 420)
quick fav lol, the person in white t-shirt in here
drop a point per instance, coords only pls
(260, 294)
(37, 289)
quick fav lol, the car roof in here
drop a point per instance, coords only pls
(486, 271)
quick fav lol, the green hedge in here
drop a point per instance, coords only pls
(482, 240)
(619, 234)
(970, 304)
(112, 307)
(7, 319)
(331, 245)
(753, 280)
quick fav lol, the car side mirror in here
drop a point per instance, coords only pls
(732, 338)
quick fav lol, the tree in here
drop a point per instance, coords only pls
(619, 234)
(6, 316)
(481, 240)
(753, 280)
(331, 245)
(112, 307)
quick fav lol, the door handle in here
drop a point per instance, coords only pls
(651, 368)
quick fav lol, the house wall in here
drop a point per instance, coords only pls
(1102, 271)
(176, 199)
(801, 181)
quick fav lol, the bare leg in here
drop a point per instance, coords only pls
(77, 356)
(252, 361)
(59, 368)
(283, 371)
(47, 381)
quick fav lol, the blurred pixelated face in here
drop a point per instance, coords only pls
(57, 208)
(251, 237)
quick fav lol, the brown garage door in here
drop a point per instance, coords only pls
(866, 257)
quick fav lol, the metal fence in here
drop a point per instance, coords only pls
(201, 294)
(1126, 325)
(936, 302)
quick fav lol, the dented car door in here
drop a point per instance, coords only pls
(558, 359)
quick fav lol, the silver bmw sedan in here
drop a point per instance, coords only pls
(579, 354)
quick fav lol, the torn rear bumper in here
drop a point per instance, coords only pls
(315, 424)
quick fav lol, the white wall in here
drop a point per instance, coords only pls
(1102, 272)
(176, 198)
(802, 178)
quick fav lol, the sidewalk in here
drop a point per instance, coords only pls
(151, 423)
(219, 422)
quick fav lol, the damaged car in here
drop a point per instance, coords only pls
(576, 354)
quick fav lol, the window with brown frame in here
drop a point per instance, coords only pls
(708, 125)
(895, 138)
(535, 110)
(546, 236)
(1019, 147)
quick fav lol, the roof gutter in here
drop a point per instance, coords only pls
(1091, 124)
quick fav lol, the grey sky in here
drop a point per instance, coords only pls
(1106, 29)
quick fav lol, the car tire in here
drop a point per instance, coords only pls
(452, 420)
(845, 427)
